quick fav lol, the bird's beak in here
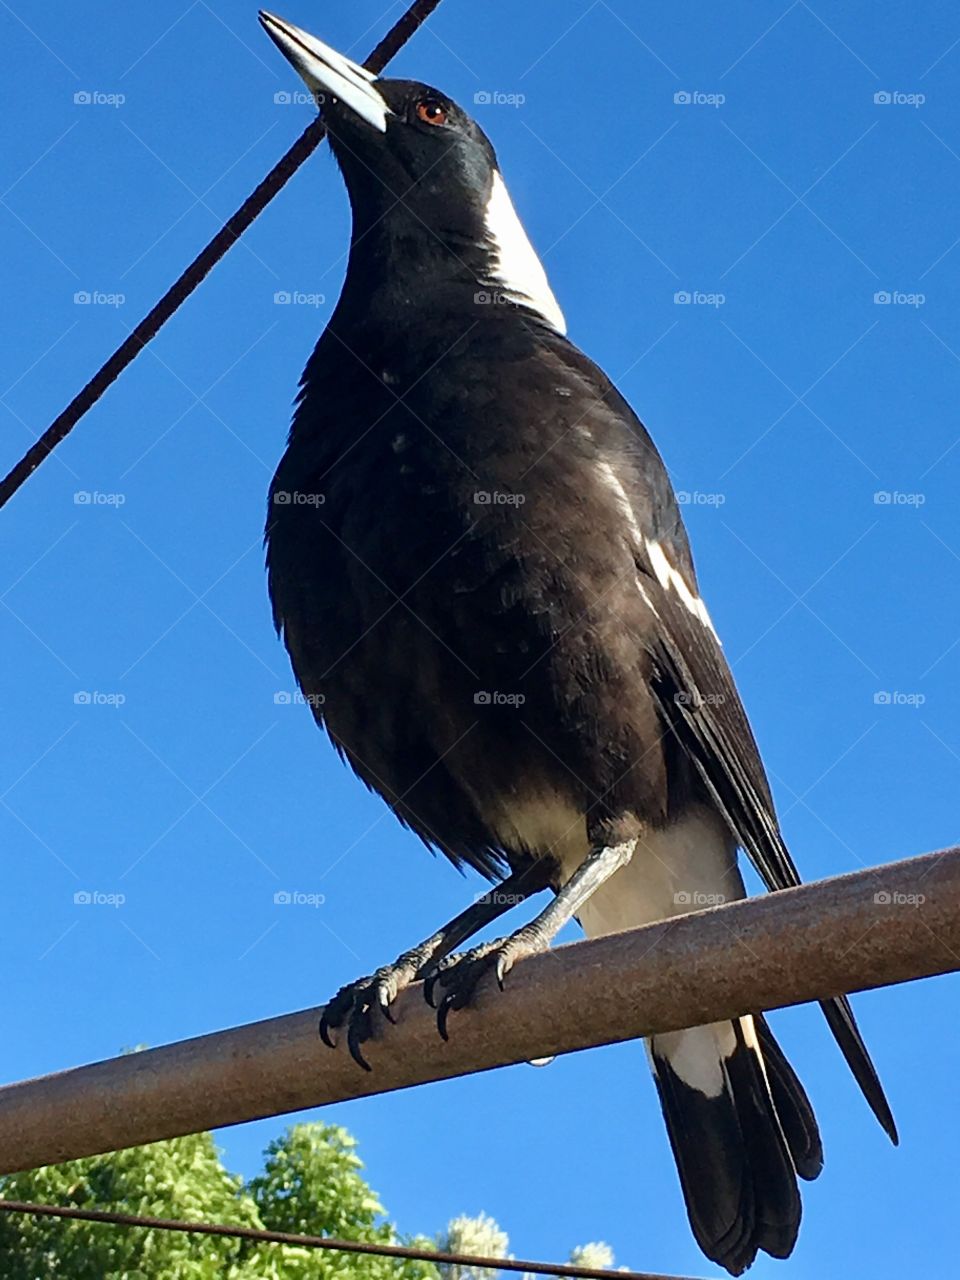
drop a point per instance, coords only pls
(326, 71)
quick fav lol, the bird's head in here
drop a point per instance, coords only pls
(419, 168)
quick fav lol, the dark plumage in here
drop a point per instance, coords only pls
(480, 572)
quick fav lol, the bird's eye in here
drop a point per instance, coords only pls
(430, 111)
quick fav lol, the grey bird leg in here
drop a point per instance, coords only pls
(459, 975)
(354, 1004)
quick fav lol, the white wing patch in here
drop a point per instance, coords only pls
(609, 478)
(670, 579)
(667, 576)
(517, 270)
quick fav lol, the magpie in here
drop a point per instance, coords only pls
(479, 569)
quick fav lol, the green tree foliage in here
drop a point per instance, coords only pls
(311, 1184)
(180, 1179)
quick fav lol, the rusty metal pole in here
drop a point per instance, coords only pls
(884, 925)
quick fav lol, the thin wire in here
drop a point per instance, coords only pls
(198, 269)
(475, 1261)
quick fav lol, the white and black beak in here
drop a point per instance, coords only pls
(328, 73)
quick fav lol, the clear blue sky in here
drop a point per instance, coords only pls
(787, 407)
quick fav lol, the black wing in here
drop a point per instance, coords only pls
(697, 697)
(699, 702)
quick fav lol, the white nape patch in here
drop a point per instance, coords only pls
(517, 270)
(324, 70)
(668, 577)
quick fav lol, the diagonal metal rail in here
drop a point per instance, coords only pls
(884, 925)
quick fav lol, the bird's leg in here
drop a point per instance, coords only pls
(354, 1004)
(458, 976)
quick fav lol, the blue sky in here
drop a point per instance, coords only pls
(786, 200)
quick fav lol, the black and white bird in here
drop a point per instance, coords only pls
(478, 567)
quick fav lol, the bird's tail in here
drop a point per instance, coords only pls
(742, 1130)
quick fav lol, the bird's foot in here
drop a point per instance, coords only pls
(357, 1005)
(453, 982)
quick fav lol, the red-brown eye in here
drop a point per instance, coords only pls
(430, 111)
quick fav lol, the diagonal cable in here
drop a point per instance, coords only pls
(202, 264)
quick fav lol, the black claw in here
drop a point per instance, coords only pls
(429, 988)
(387, 1011)
(324, 1030)
(354, 1040)
(443, 1013)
